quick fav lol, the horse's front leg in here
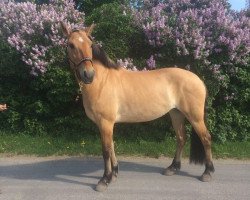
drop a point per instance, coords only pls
(110, 162)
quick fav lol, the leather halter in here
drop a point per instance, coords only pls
(81, 61)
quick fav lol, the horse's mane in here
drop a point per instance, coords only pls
(100, 54)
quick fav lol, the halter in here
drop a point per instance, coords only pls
(81, 61)
(84, 59)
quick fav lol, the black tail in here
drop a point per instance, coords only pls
(197, 152)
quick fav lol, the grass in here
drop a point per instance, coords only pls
(23, 144)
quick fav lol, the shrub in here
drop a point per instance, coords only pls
(37, 105)
(30, 36)
(87, 6)
(117, 33)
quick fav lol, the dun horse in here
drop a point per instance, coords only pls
(113, 94)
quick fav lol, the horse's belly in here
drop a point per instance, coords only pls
(141, 114)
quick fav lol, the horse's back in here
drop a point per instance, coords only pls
(171, 78)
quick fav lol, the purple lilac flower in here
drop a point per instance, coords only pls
(201, 30)
(127, 63)
(34, 30)
(151, 62)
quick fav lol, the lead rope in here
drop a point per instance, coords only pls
(80, 85)
(79, 91)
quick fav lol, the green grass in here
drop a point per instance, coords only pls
(23, 144)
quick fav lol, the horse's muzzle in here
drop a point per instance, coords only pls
(87, 76)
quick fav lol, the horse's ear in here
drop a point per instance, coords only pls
(65, 29)
(89, 29)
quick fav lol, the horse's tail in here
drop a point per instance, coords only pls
(197, 151)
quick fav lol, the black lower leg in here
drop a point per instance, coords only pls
(173, 168)
(176, 165)
(106, 179)
(107, 176)
(206, 176)
(209, 167)
(115, 170)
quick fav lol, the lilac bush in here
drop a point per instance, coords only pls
(34, 30)
(127, 63)
(207, 32)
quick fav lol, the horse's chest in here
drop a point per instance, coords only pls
(89, 111)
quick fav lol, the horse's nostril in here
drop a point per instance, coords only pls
(85, 74)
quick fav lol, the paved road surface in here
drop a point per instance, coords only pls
(65, 178)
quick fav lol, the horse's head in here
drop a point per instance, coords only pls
(79, 50)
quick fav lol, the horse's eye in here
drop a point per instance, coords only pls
(71, 46)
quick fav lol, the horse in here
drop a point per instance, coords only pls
(111, 94)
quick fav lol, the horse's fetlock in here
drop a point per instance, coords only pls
(106, 178)
(176, 165)
(209, 167)
(115, 170)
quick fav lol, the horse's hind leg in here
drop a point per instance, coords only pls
(198, 154)
(178, 120)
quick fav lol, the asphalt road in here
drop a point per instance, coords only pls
(32, 178)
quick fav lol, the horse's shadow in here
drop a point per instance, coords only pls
(56, 170)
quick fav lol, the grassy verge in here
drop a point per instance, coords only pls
(22, 144)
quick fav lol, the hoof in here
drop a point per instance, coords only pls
(101, 187)
(103, 183)
(169, 171)
(206, 178)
